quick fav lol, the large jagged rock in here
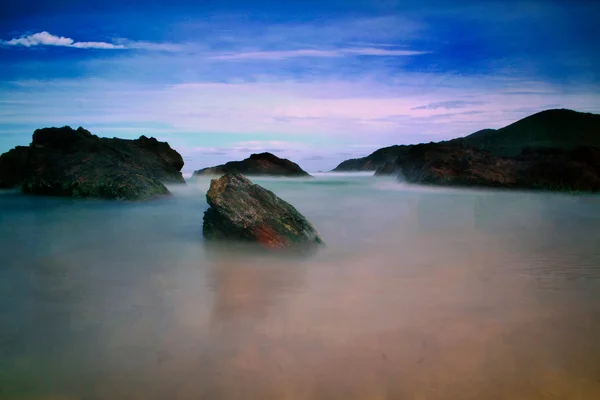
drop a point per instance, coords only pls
(257, 165)
(454, 164)
(76, 163)
(241, 210)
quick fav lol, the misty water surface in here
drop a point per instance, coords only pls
(420, 293)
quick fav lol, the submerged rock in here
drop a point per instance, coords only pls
(257, 165)
(76, 163)
(389, 168)
(241, 210)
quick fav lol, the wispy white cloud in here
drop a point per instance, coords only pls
(152, 46)
(343, 52)
(47, 39)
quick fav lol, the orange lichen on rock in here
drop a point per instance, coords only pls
(269, 237)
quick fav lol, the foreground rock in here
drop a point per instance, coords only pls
(389, 168)
(257, 165)
(75, 163)
(454, 164)
(241, 210)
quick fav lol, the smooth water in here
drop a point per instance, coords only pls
(420, 293)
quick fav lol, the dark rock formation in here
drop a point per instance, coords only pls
(241, 210)
(68, 162)
(559, 169)
(454, 164)
(12, 167)
(372, 161)
(257, 165)
(389, 168)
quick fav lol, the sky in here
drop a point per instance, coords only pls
(317, 82)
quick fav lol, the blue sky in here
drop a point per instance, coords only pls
(317, 82)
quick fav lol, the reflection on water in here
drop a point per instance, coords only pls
(421, 293)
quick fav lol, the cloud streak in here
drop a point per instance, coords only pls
(47, 39)
(448, 105)
(283, 54)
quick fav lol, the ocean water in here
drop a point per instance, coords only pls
(420, 293)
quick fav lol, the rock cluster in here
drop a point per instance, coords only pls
(76, 163)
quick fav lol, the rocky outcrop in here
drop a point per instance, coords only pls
(559, 169)
(454, 164)
(76, 163)
(241, 210)
(263, 164)
(373, 161)
(389, 168)
(13, 167)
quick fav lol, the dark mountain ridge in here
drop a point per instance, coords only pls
(556, 128)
